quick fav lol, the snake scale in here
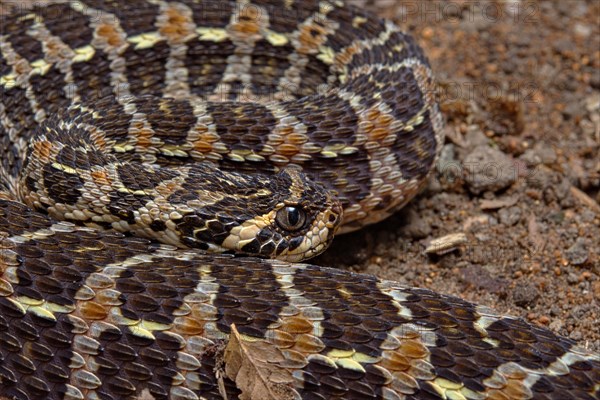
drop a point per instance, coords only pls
(143, 143)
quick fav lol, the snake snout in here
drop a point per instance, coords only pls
(308, 219)
(316, 234)
(300, 226)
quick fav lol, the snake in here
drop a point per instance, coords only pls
(167, 166)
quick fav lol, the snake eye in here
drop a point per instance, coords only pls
(291, 218)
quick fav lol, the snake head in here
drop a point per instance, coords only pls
(285, 216)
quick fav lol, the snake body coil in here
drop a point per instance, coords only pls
(229, 126)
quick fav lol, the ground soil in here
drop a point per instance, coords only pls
(519, 85)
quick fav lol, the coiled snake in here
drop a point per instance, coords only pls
(139, 138)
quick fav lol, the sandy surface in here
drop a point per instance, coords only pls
(519, 83)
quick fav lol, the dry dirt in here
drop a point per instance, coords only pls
(519, 84)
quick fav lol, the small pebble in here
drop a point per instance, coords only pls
(578, 253)
(576, 335)
(510, 216)
(525, 295)
(563, 189)
(556, 217)
(582, 30)
(531, 157)
(556, 325)
(572, 278)
(489, 169)
(544, 320)
(545, 152)
(485, 277)
(592, 103)
(574, 111)
(475, 137)
(540, 178)
(587, 215)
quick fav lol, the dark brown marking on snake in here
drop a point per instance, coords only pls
(51, 88)
(412, 153)
(93, 77)
(314, 74)
(18, 111)
(113, 120)
(576, 385)
(379, 54)
(183, 196)
(4, 67)
(170, 119)
(236, 89)
(339, 127)
(358, 180)
(62, 187)
(122, 204)
(404, 97)
(73, 158)
(137, 17)
(157, 225)
(146, 68)
(237, 284)
(269, 64)
(135, 177)
(206, 62)
(74, 31)
(285, 20)
(18, 218)
(236, 122)
(212, 13)
(68, 134)
(16, 34)
(346, 17)
(78, 159)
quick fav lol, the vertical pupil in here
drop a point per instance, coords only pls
(293, 216)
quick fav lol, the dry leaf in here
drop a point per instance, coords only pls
(250, 365)
(446, 244)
